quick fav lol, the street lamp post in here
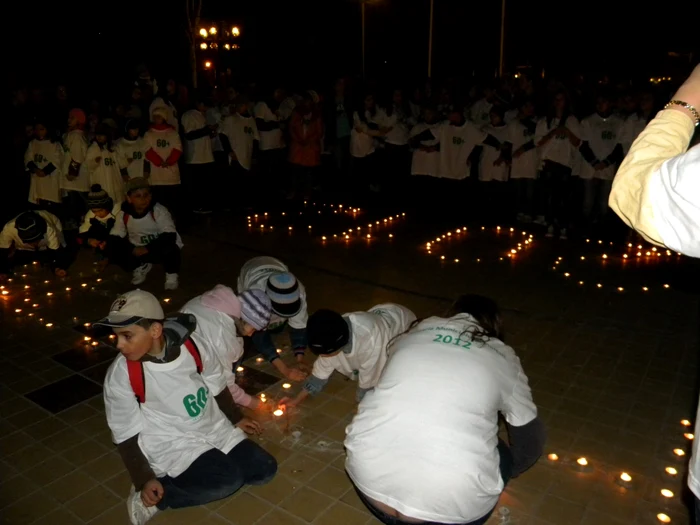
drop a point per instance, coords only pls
(217, 38)
(430, 41)
(503, 38)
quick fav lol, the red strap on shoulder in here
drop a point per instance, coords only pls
(126, 218)
(153, 215)
(194, 352)
(137, 379)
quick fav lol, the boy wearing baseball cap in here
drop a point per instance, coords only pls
(222, 320)
(34, 235)
(288, 301)
(353, 344)
(149, 233)
(177, 429)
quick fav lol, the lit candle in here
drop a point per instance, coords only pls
(625, 477)
(391, 236)
(49, 325)
(240, 369)
(279, 412)
(49, 294)
(99, 280)
(84, 285)
(685, 422)
(645, 289)
(688, 435)
(552, 457)
(67, 288)
(286, 385)
(323, 238)
(259, 360)
(666, 493)
(18, 310)
(663, 518)
(582, 461)
(671, 471)
(26, 287)
(94, 343)
(679, 452)
(667, 286)
(279, 350)
(166, 300)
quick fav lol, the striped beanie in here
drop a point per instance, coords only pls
(255, 308)
(283, 291)
(99, 199)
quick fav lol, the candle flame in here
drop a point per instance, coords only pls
(667, 493)
(672, 471)
(625, 477)
(679, 452)
(286, 385)
(278, 412)
(582, 461)
(552, 457)
(685, 422)
(663, 518)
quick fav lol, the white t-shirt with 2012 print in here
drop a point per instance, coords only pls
(179, 420)
(424, 440)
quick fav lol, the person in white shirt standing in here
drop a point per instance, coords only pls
(369, 124)
(179, 433)
(44, 160)
(494, 166)
(270, 123)
(102, 164)
(397, 154)
(131, 151)
(163, 150)
(238, 135)
(424, 444)
(524, 159)
(558, 136)
(635, 123)
(75, 179)
(353, 344)
(602, 151)
(200, 170)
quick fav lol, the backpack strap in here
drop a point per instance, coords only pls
(137, 379)
(194, 352)
(153, 215)
(126, 218)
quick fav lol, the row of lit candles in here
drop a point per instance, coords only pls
(599, 285)
(625, 479)
(346, 234)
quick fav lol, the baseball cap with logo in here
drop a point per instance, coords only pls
(131, 307)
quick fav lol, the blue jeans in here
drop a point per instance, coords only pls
(506, 468)
(264, 344)
(215, 475)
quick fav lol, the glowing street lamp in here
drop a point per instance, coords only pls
(207, 64)
(203, 33)
(203, 45)
(212, 30)
(235, 31)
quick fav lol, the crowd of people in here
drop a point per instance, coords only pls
(181, 449)
(113, 186)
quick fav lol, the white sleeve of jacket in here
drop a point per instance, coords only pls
(163, 219)
(675, 199)
(119, 228)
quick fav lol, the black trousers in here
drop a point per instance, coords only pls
(167, 253)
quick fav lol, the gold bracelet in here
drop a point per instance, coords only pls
(687, 106)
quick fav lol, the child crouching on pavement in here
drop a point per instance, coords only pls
(150, 232)
(175, 424)
(98, 223)
(33, 236)
(223, 319)
(353, 344)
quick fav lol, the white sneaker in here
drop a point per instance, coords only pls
(171, 282)
(550, 232)
(139, 514)
(140, 273)
(540, 220)
(562, 234)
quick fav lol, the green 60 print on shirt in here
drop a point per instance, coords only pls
(195, 405)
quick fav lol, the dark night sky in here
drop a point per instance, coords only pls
(315, 39)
